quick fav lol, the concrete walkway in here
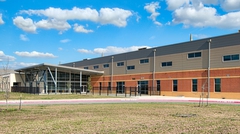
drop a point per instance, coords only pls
(138, 99)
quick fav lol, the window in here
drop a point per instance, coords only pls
(194, 85)
(217, 85)
(231, 57)
(175, 85)
(109, 85)
(120, 87)
(142, 61)
(95, 67)
(120, 64)
(194, 55)
(165, 64)
(130, 67)
(106, 66)
(158, 85)
(85, 67)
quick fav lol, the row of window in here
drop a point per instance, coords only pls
(144, 85)
(233, 57)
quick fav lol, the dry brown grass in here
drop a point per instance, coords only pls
(121, 118)
(25, 96)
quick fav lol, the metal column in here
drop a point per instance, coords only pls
(153, 81)
(55, 80)
(209, 62)
(80, 81)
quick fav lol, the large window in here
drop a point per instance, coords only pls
(95, 67)
(158, 85)
(194, 55)
(130, 67)
(231, 57)
(175, 85)
(105, 65)
(120, 64)
(143, 61)
(194, 85)
(165, 64)
(217, 85)
(120, 87)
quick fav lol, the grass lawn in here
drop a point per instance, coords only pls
(133, 118)
(25, 96)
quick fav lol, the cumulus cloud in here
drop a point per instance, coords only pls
(35, 54)
(23, 37)
(65, 14)
(24, 64)
(198, 15)
(85, 51)
(1, 20)
(81, 29)
(111, 50)
(231, 5)
(115, 16)
(4, 57)
(174, 4)
(25, 24)
(53, 24)
(65, 40)
(151, 8)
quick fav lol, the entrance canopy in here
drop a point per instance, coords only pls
(45, 66)
(45, 78)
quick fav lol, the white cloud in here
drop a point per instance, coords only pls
(111, 50)
(23, 64)
(115, 16)
(35, 54)
(4, 57)
(208, 2)
(81, 29)
(85, 51)
(25, 24)
(53, 24)
(199, 36)
(174, 4)
(231, 5)
(65, 41)
(60, 49)
(65, 14)
(23, 37)
(151, 8)
(1, 20)
(198, 15)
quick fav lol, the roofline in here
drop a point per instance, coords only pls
(59, 66)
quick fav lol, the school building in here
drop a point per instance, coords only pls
(207, 67)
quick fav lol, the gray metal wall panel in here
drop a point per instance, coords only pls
(218, 53)
(198, 45)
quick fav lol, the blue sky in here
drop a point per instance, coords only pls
(62, 31)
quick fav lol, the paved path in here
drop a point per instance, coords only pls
(142, 99)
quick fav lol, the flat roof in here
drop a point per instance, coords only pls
(45, 66)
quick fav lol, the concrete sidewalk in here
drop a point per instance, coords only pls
(138, 99)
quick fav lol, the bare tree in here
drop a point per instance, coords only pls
(6, 81)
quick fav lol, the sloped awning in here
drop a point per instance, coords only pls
(45, 66)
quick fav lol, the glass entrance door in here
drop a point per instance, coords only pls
(143, 87)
